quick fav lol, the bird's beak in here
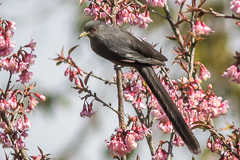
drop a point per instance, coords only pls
(83, 34)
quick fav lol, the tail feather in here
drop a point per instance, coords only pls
(169, 108)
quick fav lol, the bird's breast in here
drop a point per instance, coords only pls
(102, 49)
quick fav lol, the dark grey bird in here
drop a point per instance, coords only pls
(122, 48)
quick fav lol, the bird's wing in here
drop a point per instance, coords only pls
(129, 49)
(140, 46)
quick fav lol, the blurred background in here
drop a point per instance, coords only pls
(57, 127)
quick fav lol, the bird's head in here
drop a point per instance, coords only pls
(93, 28)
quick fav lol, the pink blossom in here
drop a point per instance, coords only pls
(3, 105)
(22, 66)
(204, 73)
(124, 141)
(25, 76)
(200, 28)
(7, 144)
(19, 144)
(84, 112)
(236, 78)
(40, 96)
(142, 20)
(29, 59)
(3, 125)
(24, 134)
(77, 81)
(32, 103)
(130, 141)
(206, 29)
(233, 73)
(87, 110)
(6, 45)
(20, 125)
(117, 146)
(179, 2)
(67, 71)
(32, 45)
(215, 145)
(80, 72)
(39, 157)
(91, 112)
(10, 65)
(159, 3)
(178, 141)
(92, 10)
(12, 102)
(27, 123)
(161, 154)
(190, 98)
(126, 14)
(72, 75)
(139, 104)
(165, 127)
(12, 25)
(235, 6)
(128, 97)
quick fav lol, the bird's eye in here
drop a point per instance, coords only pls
(94, 29)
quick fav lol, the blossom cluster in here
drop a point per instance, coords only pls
(75, 73)
(6, 33)
(12, 101)
(235, 6)
(200, 28)
(19, 62)
(233, 72)
(159, 3)
(125, 13)
(216, 145)
(161, 154)
(87, 110)
(124, 141)
(133, 92)
(193, 103)
(179, 2)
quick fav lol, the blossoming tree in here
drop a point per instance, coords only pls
(197, 104)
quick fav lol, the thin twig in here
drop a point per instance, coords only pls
(149, 136)
(180, 10)
(102, 9)
(170, 146)
(192, 47)
(213, 131)
(150, 9)
(101, 101)
(11, 126)
(216, 14)
(71, 62)
(99, 78)
(176, 31)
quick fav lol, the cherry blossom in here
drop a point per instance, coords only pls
(159, 3)
(200, 28)
(235, 6)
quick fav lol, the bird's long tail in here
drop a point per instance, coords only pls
(170, 108)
